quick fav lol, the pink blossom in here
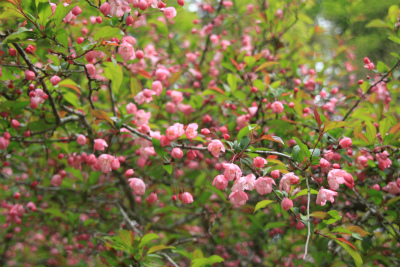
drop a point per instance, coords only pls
(131, 108)
(104, 162)
(137, 185)
(392, 188)
(170, 107)
(128, 173)
(383, 161)
(263, 185)
(152, 198)
(164, 141)
(169, 12)
(244, 183)
(259, 162)
(100, 144)
(362, 160)
(324, 164)
(232, 171)
(324, 195)
(31, 206)
(345, 142)
(91, 70)
(175, 131)
(191, 130)
(55, 80)
(81, 139)
(157, 87)
(349, 180)
(144, 96)
(162, 74)
(126, 51)
(176, 96)
(105, 8)
(142, 117)
(335, 178)
(4, 143)
(29, 75)
(238, 198)
(286, 204)
(277, 107)
(220, 182)
(186, 198)
(56, 180)
(177, 153)
(119, 7)
(215, 147)
(275, 174)
(115, 164)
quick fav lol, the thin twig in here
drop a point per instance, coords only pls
(308, 218)
(369, 90)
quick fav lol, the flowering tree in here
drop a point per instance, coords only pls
(144, 133)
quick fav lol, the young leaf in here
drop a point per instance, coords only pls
(262, 204)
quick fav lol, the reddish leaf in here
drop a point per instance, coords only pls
(358, 230)
(235, 63)
(317, 118)
(395, 128)
(267, 79)
(290, 121)
(272, 157)
(272, 138)
(144, 74)
(347, 242)
(219, 90)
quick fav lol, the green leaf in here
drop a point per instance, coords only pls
(147, 239)
(10, 13)
(356, 256)
(334, 214)
(262, 204)
(198, 254)
(394, 39)
(304, 192)
(246, 130)
(93, 178)
(206, 261)
(305, 18)
(55, 212)
(55, 59)
(157, 147)
(336, 124)
(376, 23)
(44, 12)
(161, 28)
(159, 247)
(37, 126)
(71, 98)
(114, 74)
(384, 126)
(232, 82)
(244, 142)
(381, 67)
(304, 149)
(21, 34)
(127, 237)
(108, 32)
(250, 61)
(371, 132)
(62, 37)
(168, 168)
(60, 13)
